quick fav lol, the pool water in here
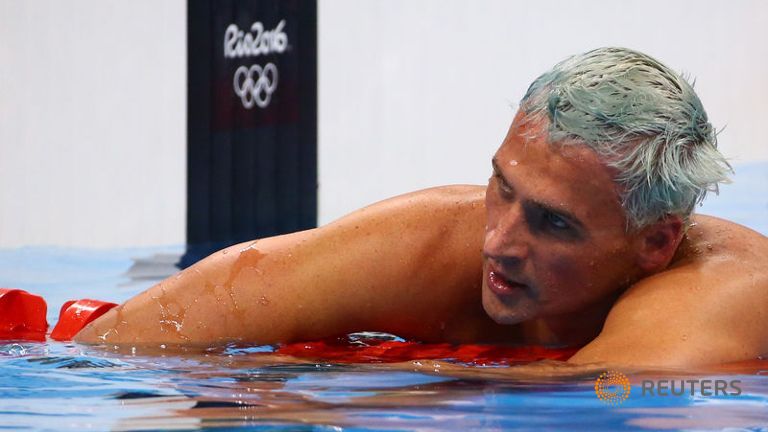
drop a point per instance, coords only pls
(65, 386)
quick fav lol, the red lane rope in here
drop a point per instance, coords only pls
(343, 351)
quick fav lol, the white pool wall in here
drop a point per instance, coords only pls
(412, 94)
(92, 122)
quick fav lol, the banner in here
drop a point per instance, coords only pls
(252, 120)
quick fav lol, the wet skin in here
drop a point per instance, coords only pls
(540, 256)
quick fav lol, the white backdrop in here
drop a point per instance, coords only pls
(92, 122)
(412, 94)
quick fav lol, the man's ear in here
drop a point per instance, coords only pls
(657, 243)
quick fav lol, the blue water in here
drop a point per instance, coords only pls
(56, 386)
(64, 386)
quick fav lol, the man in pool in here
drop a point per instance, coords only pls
(584, 236)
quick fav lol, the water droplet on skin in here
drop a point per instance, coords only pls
(248, 258)
(104, 336)
(250, 246)
(172, 323)
(225, 251)
(162, 346)
(513, 162)
(684, 337)
(709, 247)
(264, 301)
(232, 297)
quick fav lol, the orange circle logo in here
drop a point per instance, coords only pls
(612, 387)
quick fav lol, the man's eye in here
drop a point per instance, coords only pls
(556, 221)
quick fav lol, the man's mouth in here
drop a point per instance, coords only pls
(502, 285)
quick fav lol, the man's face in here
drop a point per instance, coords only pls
(555, 238)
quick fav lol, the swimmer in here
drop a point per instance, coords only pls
(584, 236)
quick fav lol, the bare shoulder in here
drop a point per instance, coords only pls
(710, 306)
(711, 238)
(453, 200)
(446, 221)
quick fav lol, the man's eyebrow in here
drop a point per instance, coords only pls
(570, 217)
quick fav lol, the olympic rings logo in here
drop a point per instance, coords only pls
(255, 85)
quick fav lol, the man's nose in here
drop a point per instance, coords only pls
(508, 237)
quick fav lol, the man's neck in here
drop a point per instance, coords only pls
(571, 329)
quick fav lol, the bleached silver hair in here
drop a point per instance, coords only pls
(642, 119)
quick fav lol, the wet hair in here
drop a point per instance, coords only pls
(642, 119)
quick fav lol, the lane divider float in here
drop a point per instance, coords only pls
(23, 316)
(76, 314)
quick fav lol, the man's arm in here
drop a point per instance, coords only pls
(403, 266)
(709, 308)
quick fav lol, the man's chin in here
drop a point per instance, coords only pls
(505, 314)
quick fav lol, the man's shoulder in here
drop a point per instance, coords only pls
(712, 240)
(453, 208)
(707, 307)
(717, 256)
(441, 196)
